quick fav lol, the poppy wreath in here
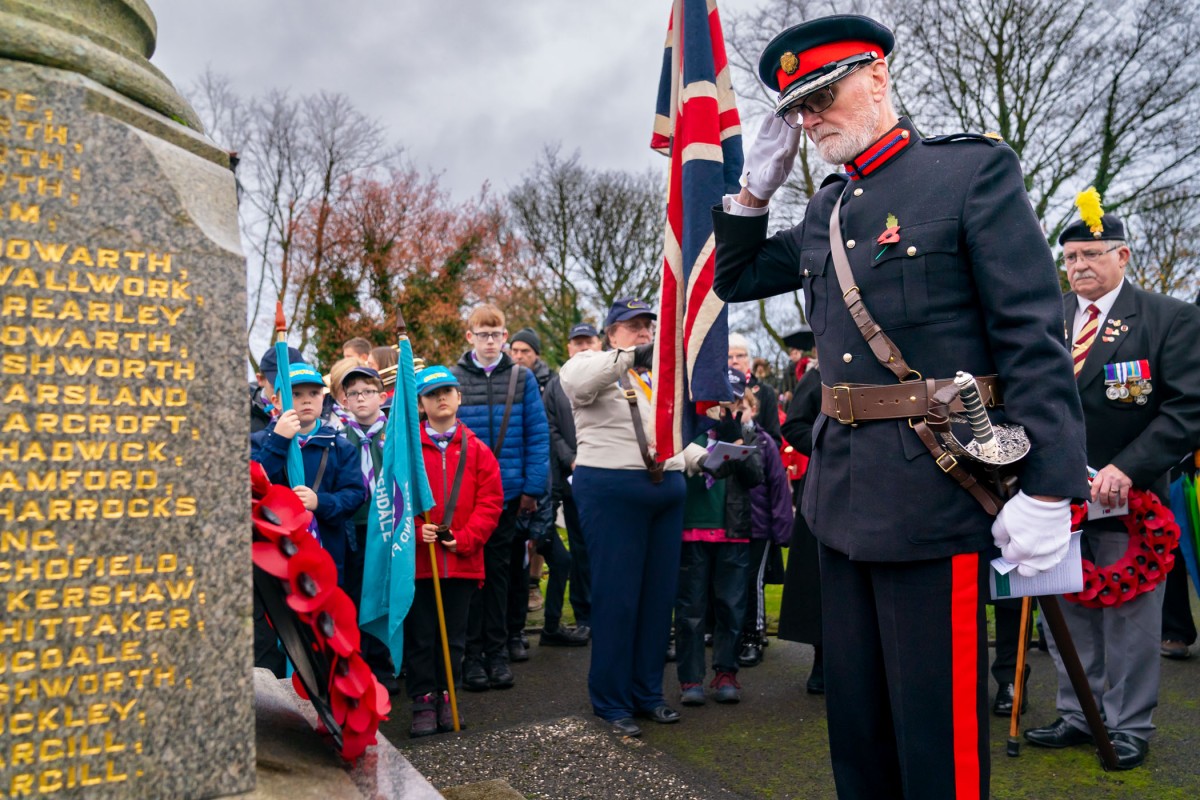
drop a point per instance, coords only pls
(319, 619)
(1153, 535)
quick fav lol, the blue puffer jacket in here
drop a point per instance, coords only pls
(341, 491)
(525, 453)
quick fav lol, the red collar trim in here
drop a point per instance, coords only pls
(885, 149)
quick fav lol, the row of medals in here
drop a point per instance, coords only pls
(1134, 391)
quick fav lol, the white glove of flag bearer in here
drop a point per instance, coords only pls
(1034, 534)
(770, 157)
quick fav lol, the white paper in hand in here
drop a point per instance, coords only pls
(724, 451)
(1064, 577)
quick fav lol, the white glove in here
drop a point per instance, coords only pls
(1034, 534)
(771, 156)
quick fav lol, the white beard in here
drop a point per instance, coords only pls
(842, 145)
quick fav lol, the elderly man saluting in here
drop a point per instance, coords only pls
(943, 268)
(1138, 370)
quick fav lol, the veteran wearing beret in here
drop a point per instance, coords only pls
(946, 268)
(1137, 366)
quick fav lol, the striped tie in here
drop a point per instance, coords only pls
(1087, 335)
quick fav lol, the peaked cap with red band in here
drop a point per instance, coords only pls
(816, 53)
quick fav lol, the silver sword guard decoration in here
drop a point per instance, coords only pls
(981, 425)
(993, 445)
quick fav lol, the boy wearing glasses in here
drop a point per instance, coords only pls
(502, 405)
(363, 426)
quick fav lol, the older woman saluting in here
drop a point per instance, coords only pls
(631, 515)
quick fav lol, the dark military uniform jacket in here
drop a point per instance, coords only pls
(1143, 440)
(971, 285)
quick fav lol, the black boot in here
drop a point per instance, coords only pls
(816, 678)
(751, 654)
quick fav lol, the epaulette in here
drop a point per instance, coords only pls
(989, 138)
(834, 177)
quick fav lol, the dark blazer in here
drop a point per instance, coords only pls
(971, 285)
(767, 417)
(561, 421)
(803, 412)
(1143, 441)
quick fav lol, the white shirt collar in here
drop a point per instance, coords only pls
(1104, 303)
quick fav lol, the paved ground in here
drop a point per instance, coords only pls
(541, 738)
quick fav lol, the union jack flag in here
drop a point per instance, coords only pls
(697, 126)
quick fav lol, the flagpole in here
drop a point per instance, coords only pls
(402, 333)
(283, 379)
(437, 593)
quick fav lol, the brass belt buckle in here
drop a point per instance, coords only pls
(952, 462)
(837, 405)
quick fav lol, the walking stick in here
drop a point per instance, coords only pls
(1079, 682)
(1014, 744)
(437, 594)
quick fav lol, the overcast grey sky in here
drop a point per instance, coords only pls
(471, 88)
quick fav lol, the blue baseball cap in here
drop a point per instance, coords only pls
(627, 308)
(583, 329)
(300, 373)
(434, 377)
(362, 372)
(269, 368)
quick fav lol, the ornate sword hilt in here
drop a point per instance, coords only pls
(981, 425)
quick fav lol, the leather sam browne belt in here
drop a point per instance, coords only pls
(852, 403)
(911, 399)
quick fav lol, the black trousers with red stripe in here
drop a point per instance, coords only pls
(906, 677)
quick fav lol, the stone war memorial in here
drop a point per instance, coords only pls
(125, 624)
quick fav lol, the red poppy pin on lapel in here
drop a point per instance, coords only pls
(890, 236)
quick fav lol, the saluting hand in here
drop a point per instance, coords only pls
(770, 158)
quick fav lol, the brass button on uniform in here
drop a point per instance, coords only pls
(858, 192)
(847, 357)
(912, 251)
(850, 244)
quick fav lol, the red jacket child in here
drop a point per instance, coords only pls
(480, 501)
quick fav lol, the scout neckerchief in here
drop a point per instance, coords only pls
(442, 440)
(304, 438)
(452, 499)
(366, 464)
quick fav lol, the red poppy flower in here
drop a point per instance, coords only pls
(383, 703)
(259, 482)
(280, 512)
(312, 578)
(890, 236)
(355, 744)
(336, 624)
(298, 685)
(352, 675)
